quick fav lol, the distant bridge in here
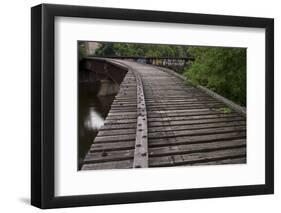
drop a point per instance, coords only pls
(157, 120)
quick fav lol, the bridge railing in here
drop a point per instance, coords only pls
(175, 63)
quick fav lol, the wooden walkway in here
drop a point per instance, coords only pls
(157, 120)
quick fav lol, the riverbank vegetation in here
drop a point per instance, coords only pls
(222, 70)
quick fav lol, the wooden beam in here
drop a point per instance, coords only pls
(141, 150)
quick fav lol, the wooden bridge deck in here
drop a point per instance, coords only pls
(157, 120)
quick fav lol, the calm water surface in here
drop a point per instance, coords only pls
(93, 110)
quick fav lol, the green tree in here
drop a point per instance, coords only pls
(222, 70)
(142, 50)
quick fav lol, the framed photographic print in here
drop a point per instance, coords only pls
(140, 106)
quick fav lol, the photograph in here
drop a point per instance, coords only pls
(144, 105)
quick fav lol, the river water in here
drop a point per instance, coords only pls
(93, 110)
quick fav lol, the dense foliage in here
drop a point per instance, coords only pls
(148, 50)
(222, 70)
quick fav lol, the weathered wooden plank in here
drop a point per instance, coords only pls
(141, 152)
(106, 156)
(179, 111)
(194, 132)
(117, 132)
(193, 148)
(119, 126)
(133, 106)
(196, 139)
(129, 106)
(123, 110)
(123, 145)
(126, 164)
(175, 104)
(124, 101)
(121, 105)
(193, 106)
(141, 147)
(234, 160)
(191, 122)
(196, 126)
(174, 100)
(120, 113)
(181, 101)
(121, 117)
(112, 138)
(123, 121)
(156, 114)
(194, 117)
(124, 98)
(185, 159)
(151, 96)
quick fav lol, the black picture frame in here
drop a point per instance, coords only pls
(43, 117)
